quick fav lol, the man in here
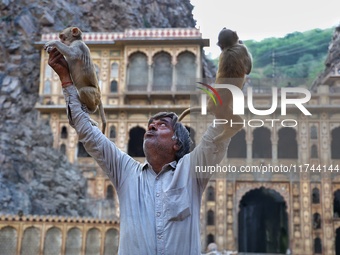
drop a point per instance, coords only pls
(159, 200)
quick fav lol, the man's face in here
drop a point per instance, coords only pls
(159, 136)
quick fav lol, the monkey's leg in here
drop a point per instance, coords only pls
(102, 115)
(90, 96)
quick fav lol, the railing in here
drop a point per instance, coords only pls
(160, 88)
(129, 34)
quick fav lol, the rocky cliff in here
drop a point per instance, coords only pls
(35, 178)
(333, 58)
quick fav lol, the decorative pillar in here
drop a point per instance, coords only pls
(325, 140)
(327, 216)
(303, 141)
(221, 213)
(232, 217)
(295, 235)
(274, 140)
(306, 214)
(150, 76)
(174, 75)
(249, 141)
(72, 145)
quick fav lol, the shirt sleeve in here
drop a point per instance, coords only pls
(208, 153)
(111, 159)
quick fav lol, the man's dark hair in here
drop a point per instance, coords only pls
(181, 134)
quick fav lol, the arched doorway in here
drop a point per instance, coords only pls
(337, 242)
(135, 145)
(263, 222)
(335, 144)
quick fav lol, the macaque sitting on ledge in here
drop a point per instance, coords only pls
(235, 62)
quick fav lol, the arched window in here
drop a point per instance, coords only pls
(335, 145)
(73, 241)
(287, 144)
(135, 145)
(114, 70)
(262, 145)
(114, 86)
(210, 217)
(109, 192)
(238, 146)
(31, 241)
(210, 239)
(314, 151)
(53, 241)
(337, 242)
(63, 134)
(336, 204)
(82, 153)
(313, 132)
(111, 242)
(8, 240)
(47, 87)
(211, 193)
(316, 221)
(48, 80)
(186, 71)
(92, 245)
(137, 72)
(317, 245)
(162, 71)
(315, 196)
(112, 132)
(114, 78)
(63, 149)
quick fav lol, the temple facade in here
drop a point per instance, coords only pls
(277, 190)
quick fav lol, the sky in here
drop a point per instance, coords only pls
(259, 19)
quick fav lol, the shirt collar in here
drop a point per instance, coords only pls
(145, 165)
(172, 164)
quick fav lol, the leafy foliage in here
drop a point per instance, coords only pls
(298, 55)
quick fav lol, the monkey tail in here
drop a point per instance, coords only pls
(188, 111)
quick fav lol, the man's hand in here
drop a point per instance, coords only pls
(58, 63)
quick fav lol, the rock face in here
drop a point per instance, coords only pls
(334, 50)
(333, 57)
(35, 178)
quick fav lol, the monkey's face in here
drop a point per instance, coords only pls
(69, 35)
(66, 37)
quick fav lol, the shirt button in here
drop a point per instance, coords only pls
(160, 237)
(157, 194)
(157, 178)
(158, 214)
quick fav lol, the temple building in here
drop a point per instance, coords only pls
(278, 190)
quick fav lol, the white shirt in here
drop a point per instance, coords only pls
(159, 213)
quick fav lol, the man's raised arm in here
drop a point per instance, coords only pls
(111, 159)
